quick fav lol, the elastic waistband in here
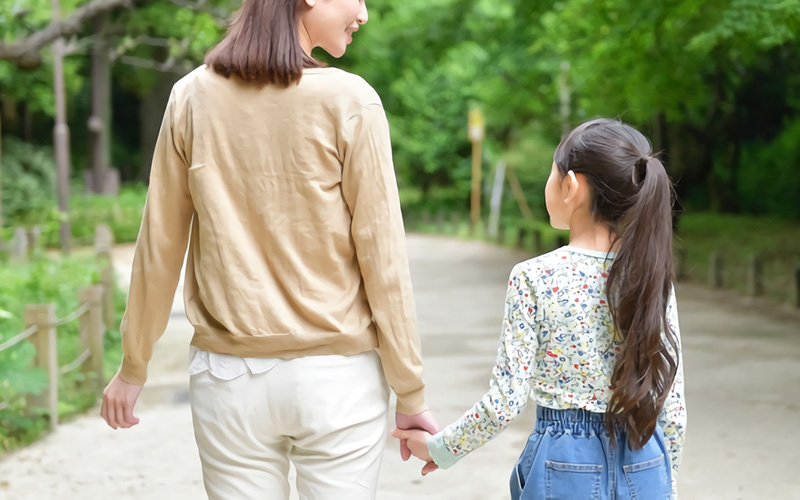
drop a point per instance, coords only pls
(577, 416)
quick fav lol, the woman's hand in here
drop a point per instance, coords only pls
(417, 443)
(119, 398)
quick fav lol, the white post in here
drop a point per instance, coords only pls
(497, 198)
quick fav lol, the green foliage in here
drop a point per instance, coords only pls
(29, 200)
(122, 213)
(752, 24)
(44, 281)
(28, 182)
(768, 179)
(183, 37)
(683, 71)
(34, 87)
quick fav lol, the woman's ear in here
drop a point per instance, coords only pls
(311, 3)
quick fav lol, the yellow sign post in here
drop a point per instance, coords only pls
(477, 131)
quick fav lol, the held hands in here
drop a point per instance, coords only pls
(119, 398)
(416, 441)
(423, 423)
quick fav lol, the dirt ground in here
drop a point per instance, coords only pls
(742, 384)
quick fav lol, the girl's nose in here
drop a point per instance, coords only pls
(363, 15)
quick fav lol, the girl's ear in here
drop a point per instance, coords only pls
(311, 3)
(571, 186)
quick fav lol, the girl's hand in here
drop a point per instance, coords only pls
(417, 443)
(119, 398)
(424, 421)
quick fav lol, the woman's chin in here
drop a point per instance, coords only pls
(336, 52)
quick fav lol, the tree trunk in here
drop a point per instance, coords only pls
(100, 121)
(27, 123)
(61, 135)
(151, 112)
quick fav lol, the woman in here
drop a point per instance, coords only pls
(278, 171)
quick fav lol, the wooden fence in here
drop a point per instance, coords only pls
(95, 315)
(530, 239)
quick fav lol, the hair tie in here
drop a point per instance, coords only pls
(640, 170)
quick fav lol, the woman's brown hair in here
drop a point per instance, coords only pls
(262, 44)
(632, 194)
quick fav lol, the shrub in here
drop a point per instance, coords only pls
(45, 281)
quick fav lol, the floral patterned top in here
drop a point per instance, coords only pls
(557, 343)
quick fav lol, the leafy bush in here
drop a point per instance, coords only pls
(29, 199)
(767, 179)
(45, 281)
(122, 213)
(28, 187)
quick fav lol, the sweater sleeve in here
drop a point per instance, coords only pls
(509, 387)
(160, 249)
(370, 190)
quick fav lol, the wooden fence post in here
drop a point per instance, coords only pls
(409, 220)
(755, 275)
(681, 271)
(103, 242)
(34, 235)
(440, 222)
(537, 241)
(520, 239)
(92, 332)
(426, 217)
(19, 246)
(455, 222)
(501, 233)
(797, 285)
(44, 316)
(715, 270)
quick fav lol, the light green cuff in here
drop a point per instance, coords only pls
(441, 454)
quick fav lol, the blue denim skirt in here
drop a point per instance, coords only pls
(570, 456)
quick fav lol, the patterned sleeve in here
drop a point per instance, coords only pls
(508, 387)
(673, 416)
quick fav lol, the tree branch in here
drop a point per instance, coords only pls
(165, 67)
(174, 64)
(220, 16)
(25, 53)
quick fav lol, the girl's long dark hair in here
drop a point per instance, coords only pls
(632, 194)
(262, 44)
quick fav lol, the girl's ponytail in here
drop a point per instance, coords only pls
(639, 285)
(632, 195)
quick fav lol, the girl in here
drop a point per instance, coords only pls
(278, 172)
(591, 329)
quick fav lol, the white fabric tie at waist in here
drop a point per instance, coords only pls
(227, 366)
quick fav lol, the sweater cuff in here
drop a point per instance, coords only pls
(412, 403)
(132, 374)
(440, 453)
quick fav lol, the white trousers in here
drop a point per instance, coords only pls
(327, 414)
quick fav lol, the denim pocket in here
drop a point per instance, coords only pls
(649, 479)
(565, 481)
(516, 483)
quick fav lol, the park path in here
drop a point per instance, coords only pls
(743, 397)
